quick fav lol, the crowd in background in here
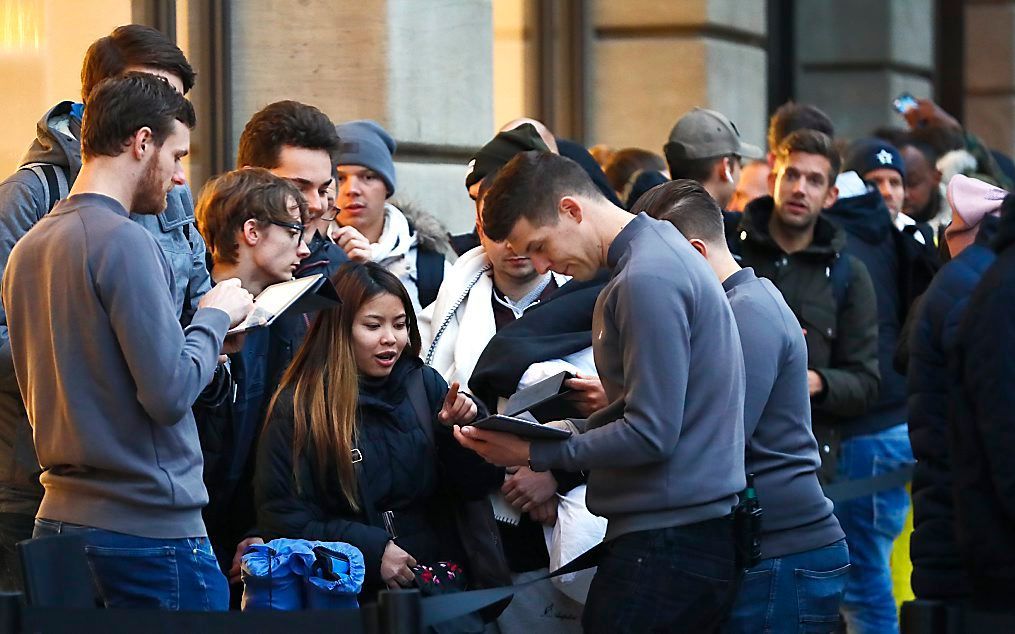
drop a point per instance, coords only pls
(738, 326)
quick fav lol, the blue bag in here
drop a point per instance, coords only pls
(269, 579)
(335, 578)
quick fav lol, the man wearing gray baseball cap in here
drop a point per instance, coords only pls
(705, 146)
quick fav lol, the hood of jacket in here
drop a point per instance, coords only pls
(829, 239)
(430, 232)
(864, 216)
(55, 142)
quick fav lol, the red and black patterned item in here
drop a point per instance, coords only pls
(445, 577)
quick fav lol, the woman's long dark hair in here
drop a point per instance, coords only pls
(325, 378)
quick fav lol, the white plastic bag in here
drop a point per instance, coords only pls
(576, 531)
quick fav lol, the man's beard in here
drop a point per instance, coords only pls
(150, 195)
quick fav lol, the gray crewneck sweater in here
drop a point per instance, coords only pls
(669, 449)
(781, 450)
(107, 374)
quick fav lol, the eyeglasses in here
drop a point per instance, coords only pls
(300, 229)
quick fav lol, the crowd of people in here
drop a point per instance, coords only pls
(739, 328)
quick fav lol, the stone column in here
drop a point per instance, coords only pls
(855, 57)
(424, 72)
(652, 61)
(990, 73)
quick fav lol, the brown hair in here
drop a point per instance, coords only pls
(811, 142)
(686, 205)
(120, 106)
(285, 123)
(792, 116)
(625, 163)
(229, 201)
(530, 186)
(133, 45)
(325, 380)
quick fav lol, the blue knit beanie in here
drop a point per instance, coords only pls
(366, 143)
(867, 155)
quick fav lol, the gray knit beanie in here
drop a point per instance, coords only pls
(366, 143)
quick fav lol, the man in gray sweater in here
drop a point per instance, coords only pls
(802, 574)
(666, 457)
(107, 373)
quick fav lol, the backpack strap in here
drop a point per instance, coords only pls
(53, 178)
(429, 275)
(416, 389)
(838, 274)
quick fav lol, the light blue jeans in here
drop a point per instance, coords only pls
(795, 593)
(140, 572)
(871, 525)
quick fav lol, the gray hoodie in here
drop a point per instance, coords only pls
(107, 372)
(669, 449)
(23, 201)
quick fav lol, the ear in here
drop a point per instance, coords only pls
(571, 207)
(141, 143)
(725, 170)
(935, 175)
(831, 197)
(771, 182)
(250, 233)
(699, 246)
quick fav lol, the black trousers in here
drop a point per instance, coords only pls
(678, 579)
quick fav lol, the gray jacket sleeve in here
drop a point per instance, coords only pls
(23, 201)
(170, 366)
(654, 341)
(199, 281)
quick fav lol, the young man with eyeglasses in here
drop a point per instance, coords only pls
(253, 223)
(298, 142)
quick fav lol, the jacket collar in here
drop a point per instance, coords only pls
(829, 239)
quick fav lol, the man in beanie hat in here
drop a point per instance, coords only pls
(938, 571)
(880, 163)
(369, 228)
(900, 268)
(491, 157)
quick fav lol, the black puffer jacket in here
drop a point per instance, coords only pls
(400, 472)
(982, 425)
(937, 565)
(842, 341)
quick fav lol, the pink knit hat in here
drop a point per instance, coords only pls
(970, 199)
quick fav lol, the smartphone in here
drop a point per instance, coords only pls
(904, 103)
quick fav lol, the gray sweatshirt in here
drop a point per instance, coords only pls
(669, 449)
(781, 450)
(107, 374)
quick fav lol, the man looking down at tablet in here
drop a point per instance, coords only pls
(253, 223)
(666, 457)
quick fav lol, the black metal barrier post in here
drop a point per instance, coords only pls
(399, 612)
(10, 612)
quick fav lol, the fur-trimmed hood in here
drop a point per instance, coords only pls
(431, 233)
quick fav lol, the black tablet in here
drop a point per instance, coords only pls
(521, 427)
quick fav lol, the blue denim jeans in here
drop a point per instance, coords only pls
(679, 579)
(871, 525)
(795, 593)
(141, 572)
